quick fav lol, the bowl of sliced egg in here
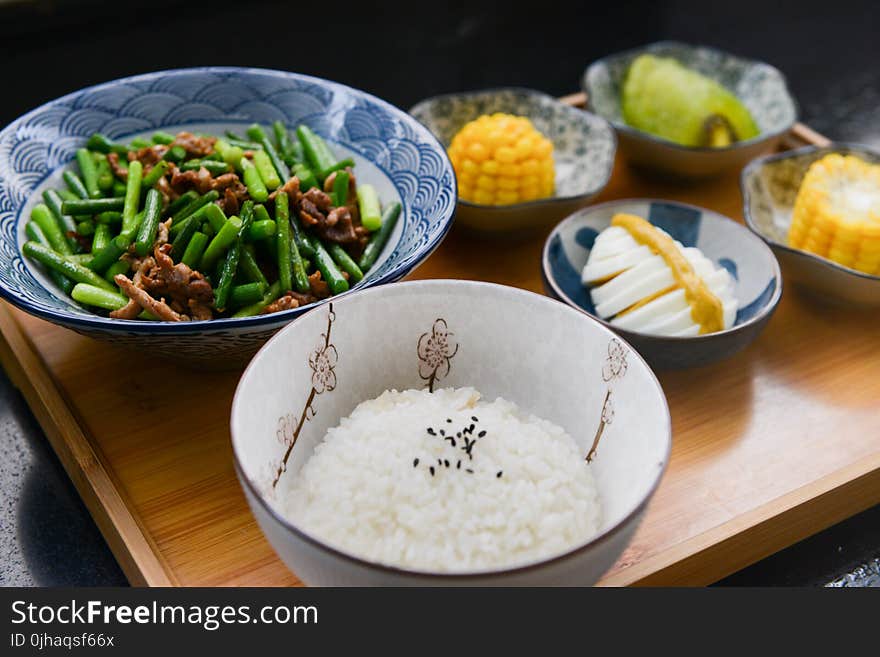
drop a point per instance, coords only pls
(686, 286)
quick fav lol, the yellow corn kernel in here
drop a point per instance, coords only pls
(837, 212)
(506, 197)
(501, 159)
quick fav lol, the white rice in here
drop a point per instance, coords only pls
(360, 491)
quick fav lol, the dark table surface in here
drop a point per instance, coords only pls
(403, 52)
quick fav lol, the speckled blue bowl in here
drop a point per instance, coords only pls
(761, 87)
(583, 154)
(722, 240)
(394, 152)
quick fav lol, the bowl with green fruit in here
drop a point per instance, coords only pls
(690, 111)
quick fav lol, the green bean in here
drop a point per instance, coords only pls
(178, 246)
(233, 135)
(67, 195)
(271, 294)
(85, 228)
(54, 260)
(132, 199)
(180, 202)
(208, 229)
(118, 188)
(194, 250)
(261, 230)
(210, 213)
(118, 267)
(90, 206)
(147, 232)
(300, 268)
(80, 258)
(214, 168)
(222, 241)
(138, 143)
(342, 164)
(43, 217)
(74, 184)
(329, 271)
(98, 297)
(346, 263)
(154, 175)
(233, 255)
(113, 250)
(283, 142)
(244, 144)
(317, 152)
(256, 133)
(175, 154)
(283, 241)
(340, 188)
(100, 143)
(299, 236)
(246, 294)
(368, 202)
(89, 172)
(163, 138)
(101, 238)
(252, 180)
(307, 179)
(109, 217)
(231, 154)
(105, 173)
(267, 172)
(249, 266)
(36, 234)
(196, 204)
(54, 201)
(380, 237)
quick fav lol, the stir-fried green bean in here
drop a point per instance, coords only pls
(380, 237)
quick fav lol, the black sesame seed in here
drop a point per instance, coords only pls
(458, 465)
(449, 420)
(431, 431)
(432, 470)
(469, 470)
(458, 435)
(442, 433)
(452, 440)
(499, 474)
(481, 434)
(471, 429)
(446, 463)
(439, 461)
(415, 463)
(475, 418)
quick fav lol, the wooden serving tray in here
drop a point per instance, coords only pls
(769, 446)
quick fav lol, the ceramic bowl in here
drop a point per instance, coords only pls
(392, 151)
(761, 88)
(552, 361)
(770, 186)
(583, 152)
(722, 240)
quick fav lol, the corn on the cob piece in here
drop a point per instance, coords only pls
(837, 212)
(500, 159)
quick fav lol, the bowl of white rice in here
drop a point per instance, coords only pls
(448, 433)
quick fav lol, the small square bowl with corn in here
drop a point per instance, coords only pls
(819, 210)
(523, 159)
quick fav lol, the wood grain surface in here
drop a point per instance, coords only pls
(770, 446)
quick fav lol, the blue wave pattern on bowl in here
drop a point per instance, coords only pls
(35, 145)
(683, 223)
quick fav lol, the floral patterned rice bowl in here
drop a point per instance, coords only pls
(437, 334)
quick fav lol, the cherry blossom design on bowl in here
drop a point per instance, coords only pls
(613, 370)
(436, 350)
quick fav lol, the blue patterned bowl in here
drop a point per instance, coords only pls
(722, 240)
(583, 152)
(395, 153)
(761, 87)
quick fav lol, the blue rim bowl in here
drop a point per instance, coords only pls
(392, 151)
(756, 273)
